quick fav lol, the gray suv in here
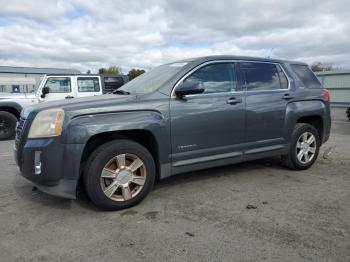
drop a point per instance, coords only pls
(179, 117)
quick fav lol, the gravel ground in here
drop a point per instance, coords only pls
(200, 216)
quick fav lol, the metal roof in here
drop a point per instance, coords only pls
(17, 81)
(36, 70)
(333, 72)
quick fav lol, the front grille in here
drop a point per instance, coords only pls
(20, 139)
(19, 132)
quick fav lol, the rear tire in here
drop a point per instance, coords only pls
(7, 125)
(119, 175)
(304, 147)
(348, 113)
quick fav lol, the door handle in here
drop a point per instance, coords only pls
(233, 101)
(69, 97)
(287, 96)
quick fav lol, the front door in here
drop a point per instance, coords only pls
(61, 87)
(208, 128)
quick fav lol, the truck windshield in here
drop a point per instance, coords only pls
(153, 79)
(38, 84)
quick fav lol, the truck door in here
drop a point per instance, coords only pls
(60, 87)
(88, 86)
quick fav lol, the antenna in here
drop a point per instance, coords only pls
(270, 52)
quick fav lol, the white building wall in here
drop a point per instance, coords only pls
(23, 88)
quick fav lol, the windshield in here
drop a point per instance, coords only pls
(153, 79)
(38, 84)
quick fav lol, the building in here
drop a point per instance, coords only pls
(338, 84)
(25, 79)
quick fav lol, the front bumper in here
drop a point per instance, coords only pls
(59, 165)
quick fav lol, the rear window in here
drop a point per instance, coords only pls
(113, 82)
(305, 75)
(88, 84)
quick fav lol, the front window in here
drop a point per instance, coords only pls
(153, 79)
(59, 84)
(216, 78)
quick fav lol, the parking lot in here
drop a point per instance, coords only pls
(201, 216)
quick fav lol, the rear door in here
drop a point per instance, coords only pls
(267, 95)
(88, 86)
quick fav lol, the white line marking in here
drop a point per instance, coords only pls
(6, 155)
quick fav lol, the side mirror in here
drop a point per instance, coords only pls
(189, 88)
(45, 91)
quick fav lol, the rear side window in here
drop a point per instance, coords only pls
(112, 83)
(216, 78)
(88, 84)
(305, 75)
(263, 76)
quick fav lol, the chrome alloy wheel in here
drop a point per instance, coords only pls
(306, 147)
(123, 177)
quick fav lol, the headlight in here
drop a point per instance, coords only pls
(47, 123)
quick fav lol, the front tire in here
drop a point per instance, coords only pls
(119, 175)
(7, 125)
(304, 147)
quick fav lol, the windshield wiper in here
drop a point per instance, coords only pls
(121, 92)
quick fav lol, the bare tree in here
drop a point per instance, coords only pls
(319, 67)
(115, 70)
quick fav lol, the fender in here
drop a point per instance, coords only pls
(12, 105)
(296, 110)
(80, 129)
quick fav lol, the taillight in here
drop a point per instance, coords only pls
(326, 96)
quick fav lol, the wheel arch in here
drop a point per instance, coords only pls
(313, 112)
(144, 137)
(13, 109)
(314, 120)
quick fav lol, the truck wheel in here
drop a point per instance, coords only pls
(7, 125)
(304, 147)
(348, 113)
(119, 174)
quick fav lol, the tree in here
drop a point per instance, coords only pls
(133, 73)
(319, 67)
(115, 70)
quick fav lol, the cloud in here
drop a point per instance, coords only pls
(90, 34)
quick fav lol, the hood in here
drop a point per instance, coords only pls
(85, 105)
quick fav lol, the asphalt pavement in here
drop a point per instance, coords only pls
(255, 211)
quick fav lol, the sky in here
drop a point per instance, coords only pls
(89, 34)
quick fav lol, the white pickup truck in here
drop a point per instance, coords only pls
(53, 87)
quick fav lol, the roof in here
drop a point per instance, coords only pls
(333, 72)
(233, 57)
(36, 70)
